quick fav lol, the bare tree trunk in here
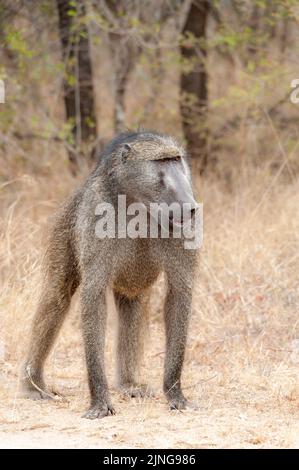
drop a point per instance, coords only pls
(123, 60)
(194, 90)
(254, 24)
(284, 35)
(78, 86)
(270, 12)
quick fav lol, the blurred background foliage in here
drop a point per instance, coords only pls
(215, 73)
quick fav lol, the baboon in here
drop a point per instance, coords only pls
(146, 167)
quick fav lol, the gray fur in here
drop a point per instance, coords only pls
(129, 267)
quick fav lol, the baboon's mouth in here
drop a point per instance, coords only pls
(170, 221)
(178, 222)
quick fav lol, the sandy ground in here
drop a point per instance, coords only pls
(148, 425)
(238, 420)
(236, 408)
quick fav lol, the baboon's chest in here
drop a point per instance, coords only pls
(136, 270)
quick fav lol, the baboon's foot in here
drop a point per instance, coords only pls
(34, 388)
(32, 385)
(36, 392)
(137, 391)
(36, 395)
(181, 403)
(99, 411)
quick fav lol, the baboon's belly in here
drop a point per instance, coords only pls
(133, 278)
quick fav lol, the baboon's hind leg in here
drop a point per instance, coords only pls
(52, 309)
(132, 321)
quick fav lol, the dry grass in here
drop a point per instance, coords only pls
(243, 351)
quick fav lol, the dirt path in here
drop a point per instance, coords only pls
(238, 419)
(246, 398)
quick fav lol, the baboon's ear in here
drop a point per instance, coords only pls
(125, 152)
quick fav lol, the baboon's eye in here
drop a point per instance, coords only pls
(171, 159)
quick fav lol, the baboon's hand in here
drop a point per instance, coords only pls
(99, 411)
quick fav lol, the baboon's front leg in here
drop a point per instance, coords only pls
(132, 320)
(94, 314)
(177, 312)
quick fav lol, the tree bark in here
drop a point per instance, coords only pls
(254, 24)
(194, 84)
(123, 61)
(284, 35)
(77, 85)
(123, 58)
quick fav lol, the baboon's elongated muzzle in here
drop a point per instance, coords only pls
(178, 194)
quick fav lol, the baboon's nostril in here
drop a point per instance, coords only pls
(161, 177)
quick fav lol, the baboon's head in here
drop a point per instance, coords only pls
(152, 168)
